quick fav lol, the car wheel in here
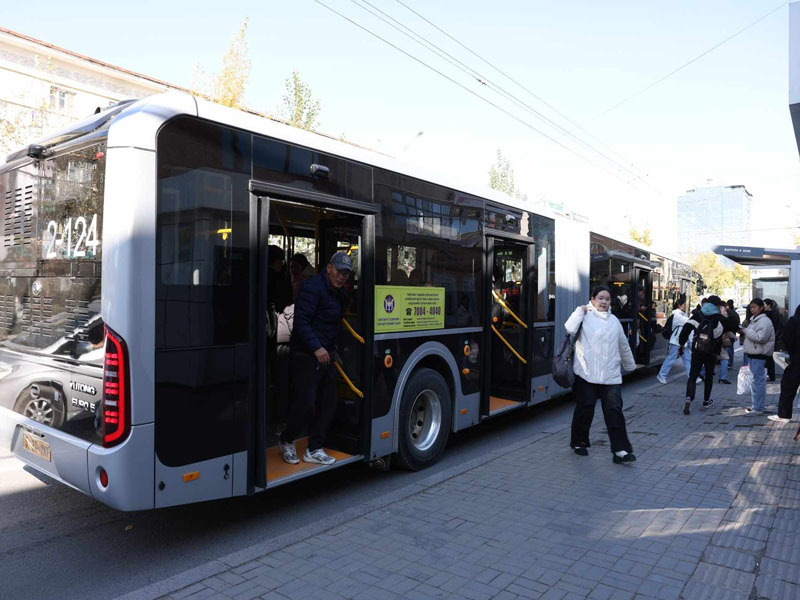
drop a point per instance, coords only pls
(425, 416)
(37, 403)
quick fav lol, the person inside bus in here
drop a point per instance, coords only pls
(279, 287)
(300, 271)
(602, 353)
(318, 313)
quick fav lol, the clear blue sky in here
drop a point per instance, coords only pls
(724, 118)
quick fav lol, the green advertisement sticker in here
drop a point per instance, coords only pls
(404, 308)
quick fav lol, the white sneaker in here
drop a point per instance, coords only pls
(753, 411)
(661, 379)
(318, 456)
(779, 419)
(289, 452)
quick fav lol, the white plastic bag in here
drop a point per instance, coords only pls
(744, 381)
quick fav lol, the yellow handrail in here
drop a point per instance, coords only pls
(510, 347)
(502, 303)
(352, 331)
(349, 383)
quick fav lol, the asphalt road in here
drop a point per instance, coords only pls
(57, 543)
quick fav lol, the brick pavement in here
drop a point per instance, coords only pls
(710, 510)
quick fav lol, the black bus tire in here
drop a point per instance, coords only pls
(41, 406)
(424, 420)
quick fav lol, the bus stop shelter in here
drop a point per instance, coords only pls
(750, 256)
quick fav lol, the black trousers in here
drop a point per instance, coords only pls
(700, 360)
(789, 384)
(313, 387)
(586, 395)
(770, 367)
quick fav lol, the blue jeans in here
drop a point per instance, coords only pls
(672, 356)
(758, 391)
(723, 369)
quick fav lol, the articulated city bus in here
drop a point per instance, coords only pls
(136, 363)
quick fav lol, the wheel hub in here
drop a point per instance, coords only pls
(425, 420)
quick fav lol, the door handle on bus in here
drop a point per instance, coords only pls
(502, 303)
(352, 331)
(510, 347)
(349, 383)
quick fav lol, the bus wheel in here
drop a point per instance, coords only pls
(36, 403)
(424, 420)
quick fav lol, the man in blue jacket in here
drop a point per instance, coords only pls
(318, 312)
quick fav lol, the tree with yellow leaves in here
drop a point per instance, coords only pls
(228, 86)
(644, 237)
(299, 107)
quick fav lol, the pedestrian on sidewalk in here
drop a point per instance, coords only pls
(734, 323)
(759, 342)
(791, 374)
(601, 352)
(679, 318)
(730, 325)
(772, 311)
(707, 325)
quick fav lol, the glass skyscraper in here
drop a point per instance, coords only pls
(711, 216)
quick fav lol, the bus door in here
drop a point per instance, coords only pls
(315, 230)
(644, 335)
(508, 313)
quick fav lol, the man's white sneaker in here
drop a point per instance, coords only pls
(779, 419)
(753, 411)
(318, 456)
(661, 379)
(289, 452)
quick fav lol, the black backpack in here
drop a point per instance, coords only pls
(704, 340)
(666, 333)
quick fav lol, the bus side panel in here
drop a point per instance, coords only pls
(130, 471)
(129, 267)
(445, 350)
(572, 275)
(195, 482)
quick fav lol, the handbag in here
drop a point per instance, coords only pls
(728, 338)
(563, 374)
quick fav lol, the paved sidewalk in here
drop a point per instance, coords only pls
(710, 510)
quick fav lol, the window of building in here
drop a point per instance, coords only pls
(61, 99)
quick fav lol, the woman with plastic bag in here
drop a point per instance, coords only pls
(759, 341)
(601, 353)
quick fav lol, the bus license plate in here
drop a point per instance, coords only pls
(35, 446)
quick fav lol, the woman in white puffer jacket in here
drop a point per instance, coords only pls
(601, 352)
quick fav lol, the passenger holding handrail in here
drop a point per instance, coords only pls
(318, 313)
(601, 353)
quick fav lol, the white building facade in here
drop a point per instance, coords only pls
(44, 87)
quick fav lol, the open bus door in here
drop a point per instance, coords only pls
(644, 339)
(316, 227)
(508, 310)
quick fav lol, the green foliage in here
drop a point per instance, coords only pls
(501, 178)
(717, 276)
(644, 237)
(299, 107)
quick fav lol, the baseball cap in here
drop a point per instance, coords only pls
(342, 262)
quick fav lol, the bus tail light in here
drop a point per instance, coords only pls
(116, 391)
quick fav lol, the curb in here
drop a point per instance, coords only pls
(234, 559)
